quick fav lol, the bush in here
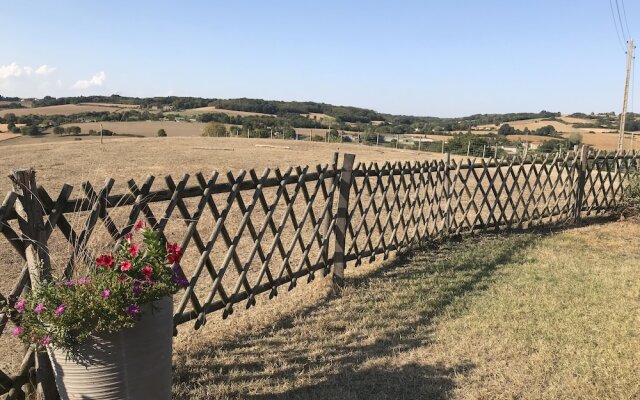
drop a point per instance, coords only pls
(630, 203)
(73, 130)
(30, 130)
(58, 130)
(162, 133)
(214, 129)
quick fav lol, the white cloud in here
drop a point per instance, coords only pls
(45, 70)
(10, 71)
(14, 70)
(96, 80)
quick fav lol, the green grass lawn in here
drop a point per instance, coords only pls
(536, 315)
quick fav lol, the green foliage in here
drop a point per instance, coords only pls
(630, 203)
(507, 129)
(73, 130)
(162, 133)
(58, 130)
(214, 129)
(30, 130)
(64, 313)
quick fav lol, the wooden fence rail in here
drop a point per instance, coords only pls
(246, 234)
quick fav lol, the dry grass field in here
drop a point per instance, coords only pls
(527, 316)
(64, 159)
(68, 109)
(7, 136)
(145, 128)
(232, 113)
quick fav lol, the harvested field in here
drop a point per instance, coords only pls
(232, 113)
(145, 128)
(7, 136)
(67, 109)
(530, 316)
(123, 158)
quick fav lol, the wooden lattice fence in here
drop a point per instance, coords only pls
(249, 234)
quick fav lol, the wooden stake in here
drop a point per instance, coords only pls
(341, 219)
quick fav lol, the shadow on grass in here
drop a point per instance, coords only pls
(358, 345)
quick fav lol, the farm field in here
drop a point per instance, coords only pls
(529, 316)
(232, 113)
(68, 109)
(124, 158)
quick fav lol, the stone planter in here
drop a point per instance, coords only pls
(132, 364)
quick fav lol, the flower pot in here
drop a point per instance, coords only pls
(132, 364)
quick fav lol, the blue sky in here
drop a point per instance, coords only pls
(440, 58)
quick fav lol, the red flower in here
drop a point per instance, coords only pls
(105, 261)
(138, 226)
(175, 253)
(147, 272)
(134, 249)
(125, 265)
(128, 237)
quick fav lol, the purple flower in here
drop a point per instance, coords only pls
(20, 305)
(137, 287)
(45, 340)
(60, 309)
(133, 309)
(17, 331)
(70, 283)
(180, 280)
(83, 281)
(105, 293)
(39, 308)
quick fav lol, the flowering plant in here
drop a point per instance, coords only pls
(64, 313)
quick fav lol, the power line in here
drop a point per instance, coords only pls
(615, 25)
(624, 33)
(624, 12)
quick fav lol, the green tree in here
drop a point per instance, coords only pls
(214, 129)
(73, 130)
(30, 130)
(162, 133)
(58, 130)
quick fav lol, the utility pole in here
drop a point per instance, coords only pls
(623, 115)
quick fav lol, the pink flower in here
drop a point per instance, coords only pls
(20, 305)
(39, 308)
(175, 253)
(138, 226)
(17, 331)
(83, 281)
(128, 237)
(134, 249)
(125, 265)
(133, 309)
(60, 309)
(147, 271)
(105, 261)
(45, 340)
(105, 293)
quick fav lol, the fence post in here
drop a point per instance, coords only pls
(34, 236)
(447, 193)
(329, 218)
(582, 173)
(346, 174)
